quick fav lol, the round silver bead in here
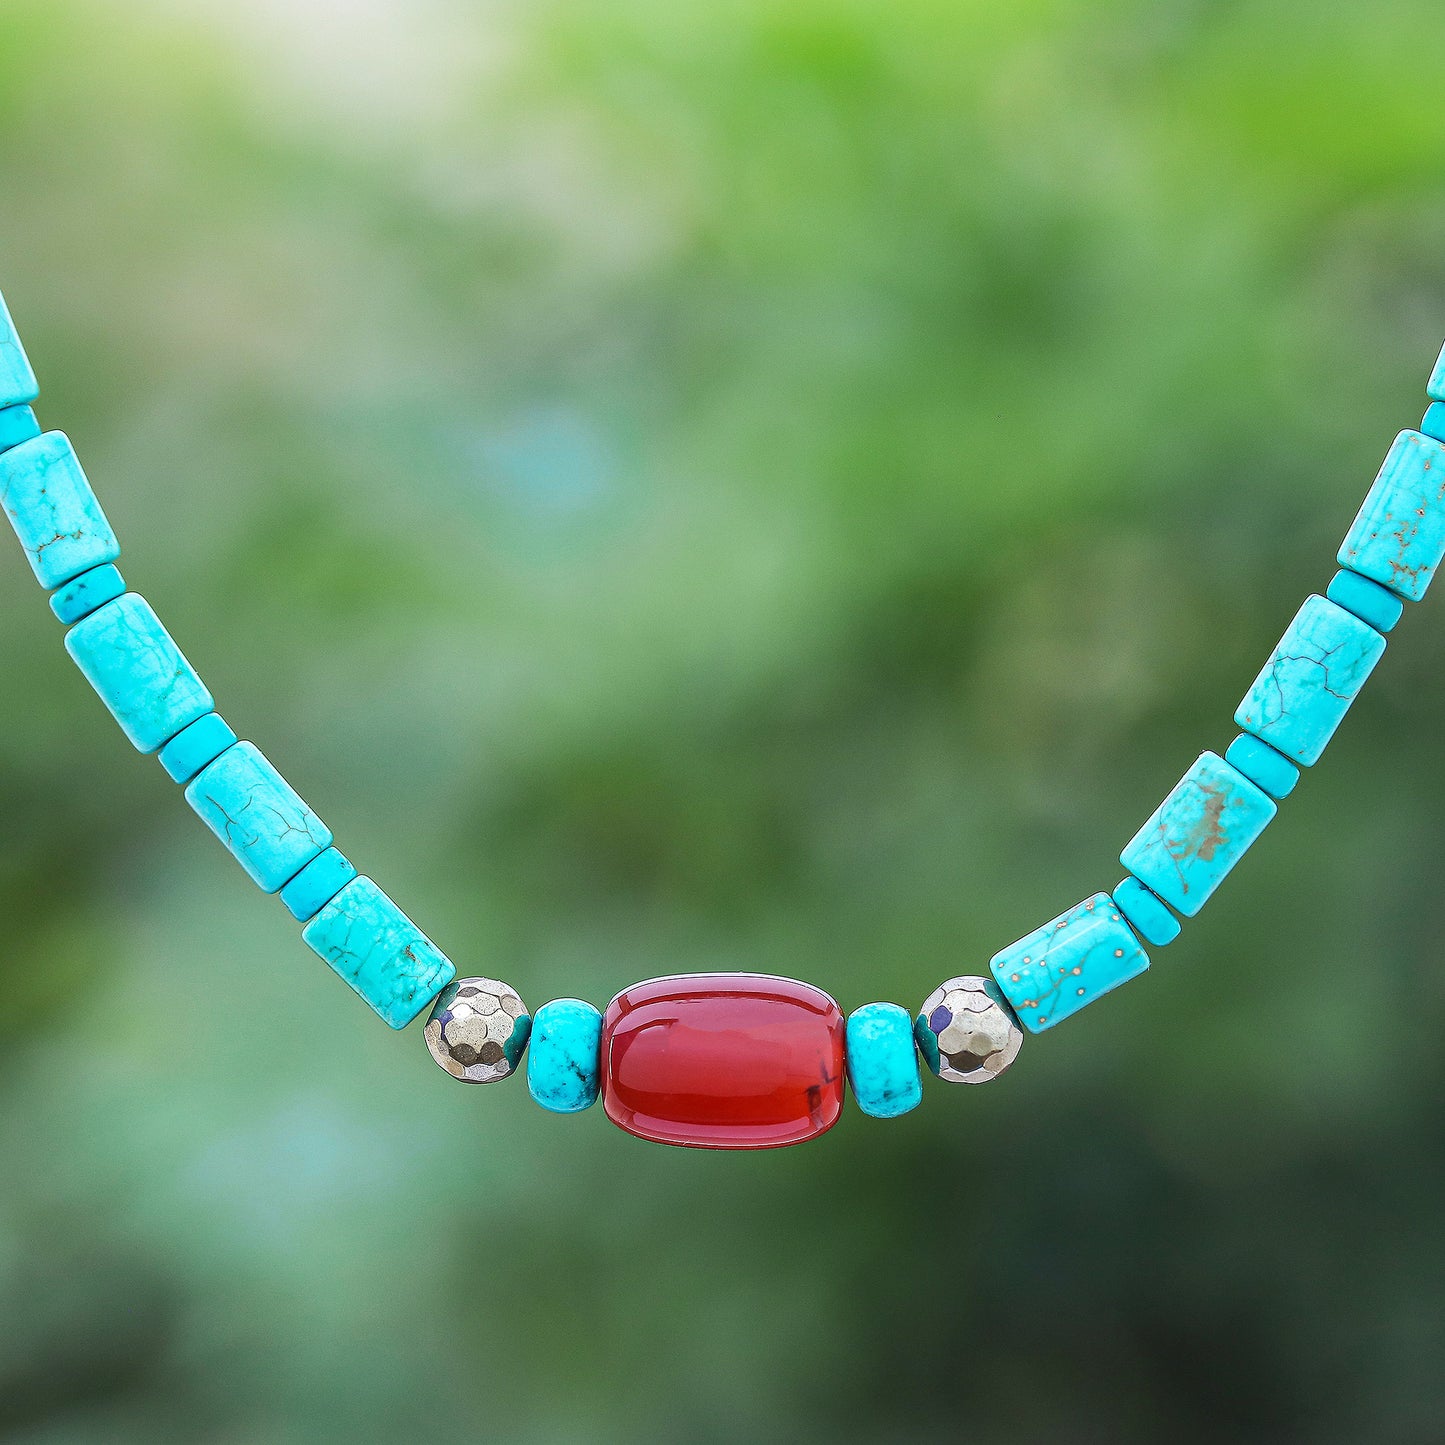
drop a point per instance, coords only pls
(478, 1029)
(967, 1032)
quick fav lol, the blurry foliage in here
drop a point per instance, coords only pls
(775, 484)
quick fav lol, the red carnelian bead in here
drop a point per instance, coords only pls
(723, 1061)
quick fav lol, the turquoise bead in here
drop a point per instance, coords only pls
(256, 813)
(140, 674)
(48, 501)
(17, 380)
(883, 1060)
(379, 951)
(1145, 913)
(564, 1055)
(193, 747)
(1433, 424)
(17, 424)
(1198, 833)
(1309, 682)
(1436, 388)
(1262, 765)
(82, 595)
(1398, 538)
(1065, 965)
(1370, 602)
(317, 884)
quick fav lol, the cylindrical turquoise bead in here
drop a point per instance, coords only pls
(563, 1057)
(1398, 538)
(17, 380)
(1146, 913)
(138, 671)
(882, 1058)
(82, 595)
(317, 884)
(194, 747)
(54, 512)
(1197, 834)
(1056, 970)
(379, 951)
(1316, 671)
(257, 814)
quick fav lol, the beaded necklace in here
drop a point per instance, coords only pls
(729, 1060)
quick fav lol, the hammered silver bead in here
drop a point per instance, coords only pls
(967, 1032)
(478, 1029)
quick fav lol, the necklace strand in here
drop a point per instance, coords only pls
(732, 1060)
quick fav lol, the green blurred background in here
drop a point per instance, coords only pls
(767, 484)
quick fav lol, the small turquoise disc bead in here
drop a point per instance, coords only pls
(1064, 966)
(82, 595)
(1145, 913)
(1367, 600)
(138, 671)
(882, 1060)
(194, 747)
(17, 424)
(17, 380)
(1436, 388)
(256, 813)
(1310, 680)
(49, 503)
(1433, 424)
(564, 1055)
(379, 951)
(1263, 765)
(317, 884)
(1398, 538)
(1198, 833)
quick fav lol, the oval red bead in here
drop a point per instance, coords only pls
(723, 1061)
